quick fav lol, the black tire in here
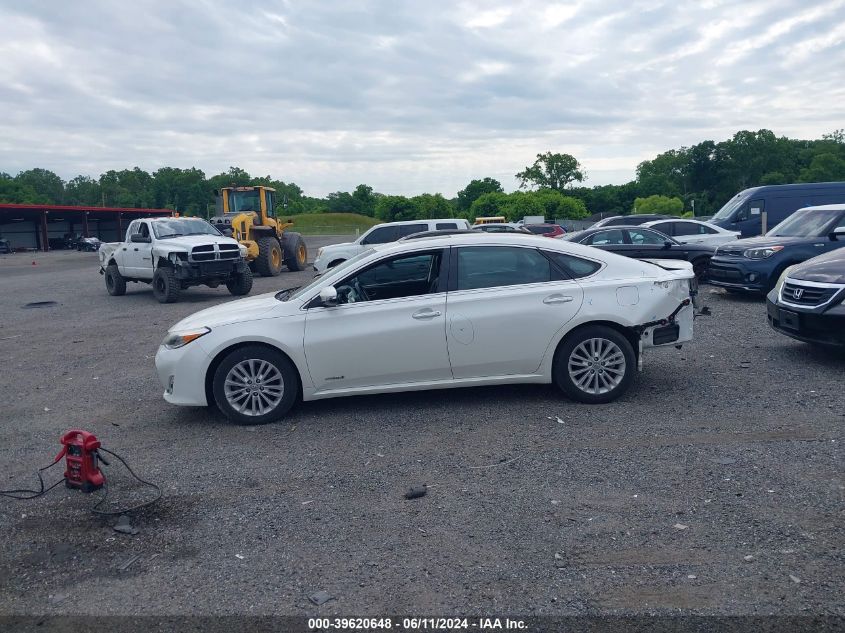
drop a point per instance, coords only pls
(239, 284)
(288, 379)
(269, 260)
(296, 254)
(569, 353)
(115, 283)
(166, 287)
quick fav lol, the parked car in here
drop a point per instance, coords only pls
(546, 230)
(756, 263)
(644, 243)
(502, 227)
(693, 231)
(331, 256)
(172, 254)
(429, 313)
(5, 246)
(808, 301)
(635, 219)
(88, 244)
(744, 211)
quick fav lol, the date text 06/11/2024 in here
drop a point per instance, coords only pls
(416, 624)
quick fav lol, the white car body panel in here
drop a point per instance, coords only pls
(722, 236)
(329, 255)
(378, 346)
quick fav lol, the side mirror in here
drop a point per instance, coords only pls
(838, 233)
(328, 296)
(137, 237)
(667, 244)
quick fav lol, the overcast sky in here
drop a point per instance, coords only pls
(408, 97)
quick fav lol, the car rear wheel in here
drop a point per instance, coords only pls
(595, 364)
(255, 385)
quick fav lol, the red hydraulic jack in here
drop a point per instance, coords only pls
(82, 471)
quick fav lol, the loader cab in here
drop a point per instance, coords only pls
(232, 201)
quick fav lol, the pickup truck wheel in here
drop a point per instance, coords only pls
(296, 255)
(240, 284)
(115, 283)
(269, 260)
(255, 385)
(166, 287)
(595, 364)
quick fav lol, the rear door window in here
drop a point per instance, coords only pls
(410, 229)
(493, 266)
(603, 238)
(382, 235)
(645, 236)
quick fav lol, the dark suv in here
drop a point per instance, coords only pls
(808, 301)
(756, 263)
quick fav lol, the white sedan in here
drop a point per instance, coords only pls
(693, 231)
(429, 313)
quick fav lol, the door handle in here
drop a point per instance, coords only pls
(554, 299)
(136, 250)
(426, 313)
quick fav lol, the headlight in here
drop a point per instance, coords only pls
(243, 250)
(180, 338)
(781, 279)
(762, 253)
(319, 252)
(175, 257)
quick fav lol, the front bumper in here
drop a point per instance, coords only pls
(824, 328)
(741, 273)
(219, 269)
(181, 373)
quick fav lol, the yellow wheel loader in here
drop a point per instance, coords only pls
(248, 215)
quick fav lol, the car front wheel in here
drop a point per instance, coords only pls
(255, 385)
(595, 364)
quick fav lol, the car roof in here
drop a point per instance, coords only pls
(825, 207)
(480, 238)
(405, 222)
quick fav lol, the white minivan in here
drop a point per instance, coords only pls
(331, 256)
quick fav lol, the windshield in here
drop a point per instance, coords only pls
(177, 227)
(807, 223)
(240, 201)
(730, 206)
(331, 273)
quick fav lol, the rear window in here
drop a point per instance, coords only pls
(540, 229)
(410, 229)
(446, 226)
(493, 266)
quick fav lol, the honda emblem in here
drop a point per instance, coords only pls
(797, 293)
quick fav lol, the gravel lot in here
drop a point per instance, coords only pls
(725, 450)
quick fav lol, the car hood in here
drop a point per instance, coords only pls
(187, 242)
(333, 247)
(235, 311)
(828, 268)
(762, 241)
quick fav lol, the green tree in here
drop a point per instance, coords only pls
(551, 171)
(659, 204)
(433, 206)
(520, 204)
(365, 200)
(487, 205)
(83, 190)
(129, 188)
(474, 190)
(235, 177)
(44, 183)
(14, 192)
(396, 208)
(824, 168)
(558, 206)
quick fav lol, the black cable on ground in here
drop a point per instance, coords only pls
(23, 493)
(124, 510)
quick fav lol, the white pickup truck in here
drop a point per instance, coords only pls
(172, 254)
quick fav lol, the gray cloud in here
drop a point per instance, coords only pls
(408, 97)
